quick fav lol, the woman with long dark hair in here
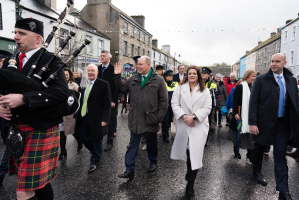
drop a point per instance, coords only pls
(191, 104)
(68, 125)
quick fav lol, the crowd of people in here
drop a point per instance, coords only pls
(260, 112)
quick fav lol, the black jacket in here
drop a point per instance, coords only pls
(264, 103)
(176, 77)
(56, 94)
(99, 105)
(108, 76)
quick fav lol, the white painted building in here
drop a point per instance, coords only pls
(290, 46)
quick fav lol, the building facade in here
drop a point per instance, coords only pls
(243, 63)
(7, 25)
(251, 61)
(128, 35)
(264, 52)
(290, 46)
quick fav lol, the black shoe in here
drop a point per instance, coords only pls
(1, 181)
(226, 124)
(166, 140)
(290, 149)
(151, 167)
(143, 140)
(62, 154)
(220, 125)
(258, 177)
(108, 147)
(237, 156)
(190, 189)
(294, 154)
(92, 168)
(286, 196)
(129, 175)
(79, 147)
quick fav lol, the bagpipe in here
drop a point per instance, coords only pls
(14, 82)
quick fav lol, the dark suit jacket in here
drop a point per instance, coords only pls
(99, 105)
(264, 103)
(56, 94)
(108, 76)
(176, 77)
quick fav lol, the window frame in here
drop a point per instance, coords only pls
(298, 57)
(285, 37)
(133, 31)
(126, 27)
(132, 50)
(99, 51)
(63, 30)
(292, 53)
(139, 35)
(149, 41)
(143, 52)
(294, 28)
(143, 37)
(138, 51)
(1, 16)
(148, 54)
(125, 48)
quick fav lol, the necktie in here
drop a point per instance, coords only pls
(181, 78)
(22, 56)
(143, 77)
(103, 69)
(281, 97)
(84, 107)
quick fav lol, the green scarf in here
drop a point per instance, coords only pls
(143, 82)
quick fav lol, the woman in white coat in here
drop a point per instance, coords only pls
(191, 104)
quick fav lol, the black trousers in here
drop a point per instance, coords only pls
(281, 140)
(191, 174)
(166, 123)
(63, 140)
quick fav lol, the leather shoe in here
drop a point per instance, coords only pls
(108, 147)
(166, 140)
(1, 182)
(151, 167)
(293, 154)
(92, 168)
(129, 175)
(143, 140)
(285, 196)
(258, 177)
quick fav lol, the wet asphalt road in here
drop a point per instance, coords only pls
(222, 176)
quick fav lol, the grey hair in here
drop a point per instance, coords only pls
(80, 71)
(107, 52)
(95, 67)
(232, 74)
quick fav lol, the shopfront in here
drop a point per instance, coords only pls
(7, 45)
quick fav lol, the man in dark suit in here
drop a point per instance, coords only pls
(181, 75)
(106, 71)
(93, 115)
(273, 120)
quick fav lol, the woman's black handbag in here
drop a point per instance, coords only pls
(15, 143)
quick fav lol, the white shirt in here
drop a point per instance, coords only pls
(144, 76)
(28, 55)
(283, 82)
(92, 83)
(105, 66)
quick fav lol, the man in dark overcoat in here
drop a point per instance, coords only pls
(274, 120)
(94, 114)
(180, 75)
(106, 70)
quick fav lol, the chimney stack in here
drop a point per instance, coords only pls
(166, 49)
(247, 52)
(140, 19)
(273, 34)
(90, 2)
(259, 42)
(155, 42)
(49, 3)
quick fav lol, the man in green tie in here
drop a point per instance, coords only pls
(148, 106)
(94, 115)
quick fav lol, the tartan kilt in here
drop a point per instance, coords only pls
(38, 165)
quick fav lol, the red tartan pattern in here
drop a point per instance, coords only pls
(25, 128)
(38, 164)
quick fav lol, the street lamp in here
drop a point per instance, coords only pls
(174, 60)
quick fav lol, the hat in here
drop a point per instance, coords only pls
(136, 59)
(30, 24)
(5, 54)
(168, 73)
(159, 67)
(206, 70)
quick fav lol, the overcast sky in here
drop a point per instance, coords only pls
(205, 16)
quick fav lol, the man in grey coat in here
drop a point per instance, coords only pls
(148, 106)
